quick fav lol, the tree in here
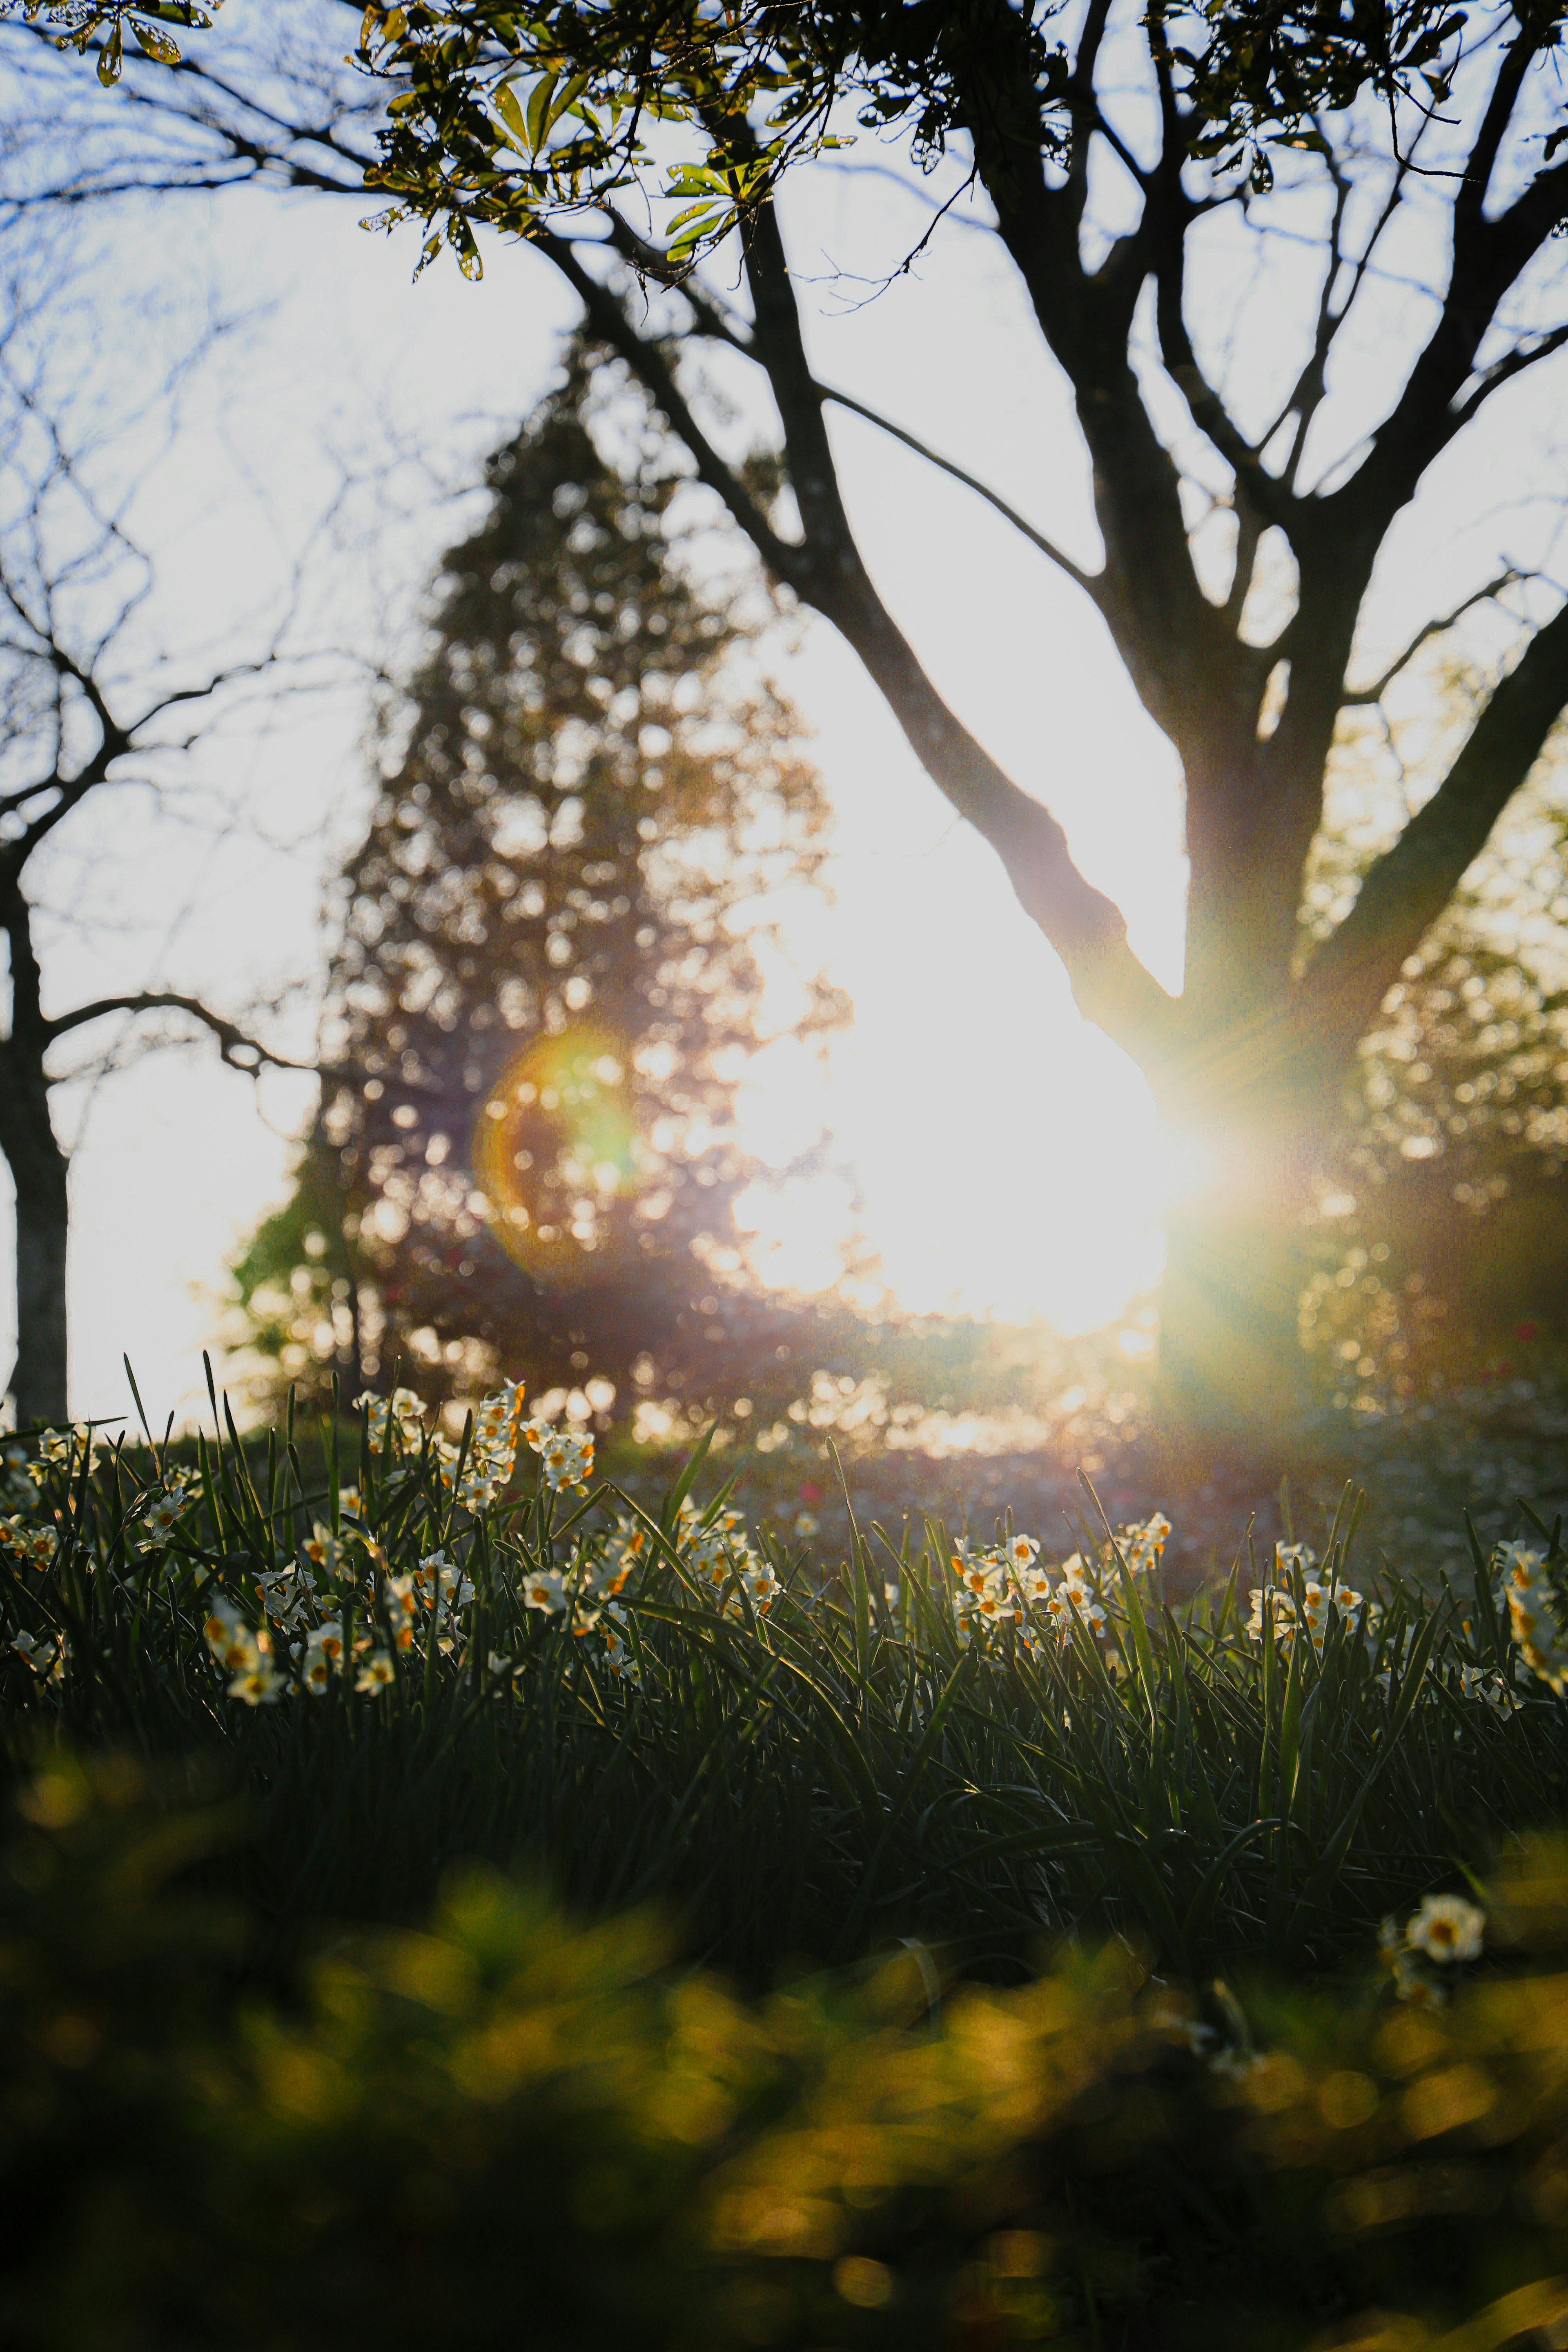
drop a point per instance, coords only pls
(1104, 157)
(1447, 1197)
(548, 983)
(88, 712)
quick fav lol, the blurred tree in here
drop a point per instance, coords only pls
(560, 948)
(1446, 1201)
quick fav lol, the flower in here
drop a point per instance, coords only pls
(1483, 1682)
(1447, 1929)
(403, 1607)
(1143, 1545)
(324, 1550)
(258, 1686)
(400, 1415)
(545, 1588)
(231, 1641)
(375, 1672)
(47, 1659)
(32, 1544)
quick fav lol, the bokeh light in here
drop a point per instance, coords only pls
(555, 1150)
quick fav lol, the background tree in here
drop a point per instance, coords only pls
(1241, 522)
(91, 711)
(1447, 1193)
(551, 975)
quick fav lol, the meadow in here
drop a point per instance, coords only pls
(437, 1648)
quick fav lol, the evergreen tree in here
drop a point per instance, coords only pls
(549, 980)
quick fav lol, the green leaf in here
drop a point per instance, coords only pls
(537, 119)
(460, 238)
(510, 113)
(155, 43)
(110, 58)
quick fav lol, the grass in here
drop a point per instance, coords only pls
(814, 1759)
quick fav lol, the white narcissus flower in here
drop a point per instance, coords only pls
(259, 1687)
(1447, 1929)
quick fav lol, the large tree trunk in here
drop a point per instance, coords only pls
(1232, 1371)
(39, 1172)
(1231, 1367)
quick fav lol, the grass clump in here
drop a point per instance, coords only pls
(424, 1654)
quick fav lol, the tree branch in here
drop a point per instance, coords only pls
(239, 1051)
(1409, 887)
(647, 362)
(1088, 581)
(1376, 692)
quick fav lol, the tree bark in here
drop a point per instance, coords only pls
(1231, 1369)
(39, 1172)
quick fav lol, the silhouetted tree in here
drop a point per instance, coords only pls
(550, 974)
(89, 709)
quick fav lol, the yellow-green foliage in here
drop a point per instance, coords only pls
(508, 2129)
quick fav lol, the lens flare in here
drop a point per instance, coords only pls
(553, 1150)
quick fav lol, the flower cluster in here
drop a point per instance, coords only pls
(716, 1551)
(161, 1510)
(397, 1420)
(1319, 1603)
(70, 1450)
(1005, 1585)
(1532, 1613)
(1438, 1937)
(1142, 1546)
(1486, 1683)
(427, 1600)
(27, 1541)
(566, 1455)
(243, 1653)
(47, 1658)
(492, 1455)
(586, 1595)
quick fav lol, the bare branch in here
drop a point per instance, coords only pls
(1436, 628)
(1514, 363)
(647, 362)
(1408, 887)
(238, 1050)
(1088, 581)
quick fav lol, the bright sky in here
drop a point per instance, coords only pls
(1004, 1152)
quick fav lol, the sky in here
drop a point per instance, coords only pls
(997, 1151)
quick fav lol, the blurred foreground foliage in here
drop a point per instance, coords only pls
(509, 2126)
